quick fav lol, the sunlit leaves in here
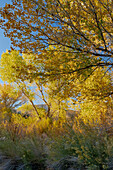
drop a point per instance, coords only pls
(81, 26)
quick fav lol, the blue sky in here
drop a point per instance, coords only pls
(4, 41)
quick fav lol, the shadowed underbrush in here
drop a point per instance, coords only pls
(27, 144)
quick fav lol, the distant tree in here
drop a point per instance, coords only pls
(10, 99)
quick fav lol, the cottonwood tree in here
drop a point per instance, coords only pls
(20, 70)
(72, 39)
(56, 93)
(83, 28)
(95, 101)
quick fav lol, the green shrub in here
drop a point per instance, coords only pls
(93, 146)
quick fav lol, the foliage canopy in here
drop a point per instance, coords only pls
(81, 28)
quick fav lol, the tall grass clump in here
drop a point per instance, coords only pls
(21, 146)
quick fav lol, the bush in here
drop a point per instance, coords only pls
(92, 146)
